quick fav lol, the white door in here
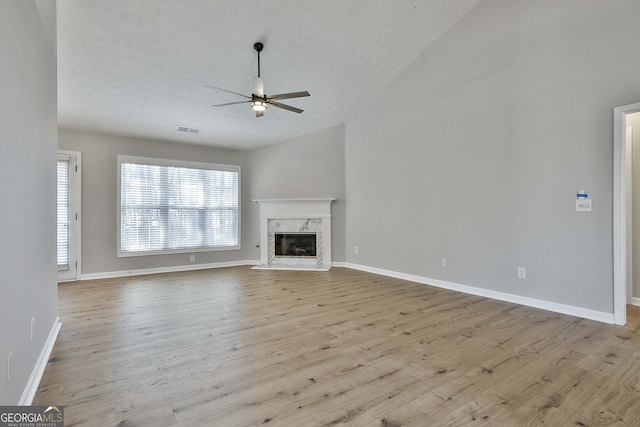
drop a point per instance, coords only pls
(628, 199)
(68, 229)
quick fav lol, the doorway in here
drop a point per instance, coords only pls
(633, 211)
(68, 215)
(622, 203)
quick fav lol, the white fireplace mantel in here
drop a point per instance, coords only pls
(293, 215)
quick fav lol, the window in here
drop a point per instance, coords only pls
(167, 206)
(63, 212)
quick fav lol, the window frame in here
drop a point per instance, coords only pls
(181, 164)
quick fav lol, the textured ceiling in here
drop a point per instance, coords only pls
(139, 67)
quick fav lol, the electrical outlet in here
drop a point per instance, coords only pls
(522, 273)
(9, 365)
(192, 258)
(33, 327)
(444, 262)
(356, 250)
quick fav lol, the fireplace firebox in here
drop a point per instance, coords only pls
(295, 245)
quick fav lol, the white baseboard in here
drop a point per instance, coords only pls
(171, 269)
(635, 301)
(36, 375)
(502, 296)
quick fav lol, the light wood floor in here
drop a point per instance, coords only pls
(240, 347)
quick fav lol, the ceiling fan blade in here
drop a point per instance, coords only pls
(259, 113)
(258, 86)
(226, 90)
(289, 95)
(284, 106)
(231, 103)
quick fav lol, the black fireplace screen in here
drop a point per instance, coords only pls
(296, 244)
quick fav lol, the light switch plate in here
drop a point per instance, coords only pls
(583, 205)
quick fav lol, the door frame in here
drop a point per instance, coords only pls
(621, 207)
(75, 227)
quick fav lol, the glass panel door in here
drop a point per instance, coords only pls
(67, 222)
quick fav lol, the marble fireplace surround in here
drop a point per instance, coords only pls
(295, 216)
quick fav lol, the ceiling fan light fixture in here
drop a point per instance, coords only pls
(258, 104)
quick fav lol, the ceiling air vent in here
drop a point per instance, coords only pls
(188, 129)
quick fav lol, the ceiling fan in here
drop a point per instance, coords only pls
(258, 99)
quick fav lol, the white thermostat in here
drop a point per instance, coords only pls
(582, 203)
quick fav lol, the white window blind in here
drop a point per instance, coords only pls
(168, 206)
(63, 212)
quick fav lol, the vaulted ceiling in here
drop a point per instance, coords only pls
(139, 67)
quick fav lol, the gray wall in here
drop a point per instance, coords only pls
(99, 194)
(28, 173)
(480, 146)
(311, 166)
(266, 173)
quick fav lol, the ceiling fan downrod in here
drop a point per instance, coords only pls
(258, 47)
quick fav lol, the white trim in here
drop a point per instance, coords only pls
(619, 212)
(628, 198)
(502, 296)
(78, 208)
(38, 370)
(635, 301)
(171, 269)
(293, 217)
